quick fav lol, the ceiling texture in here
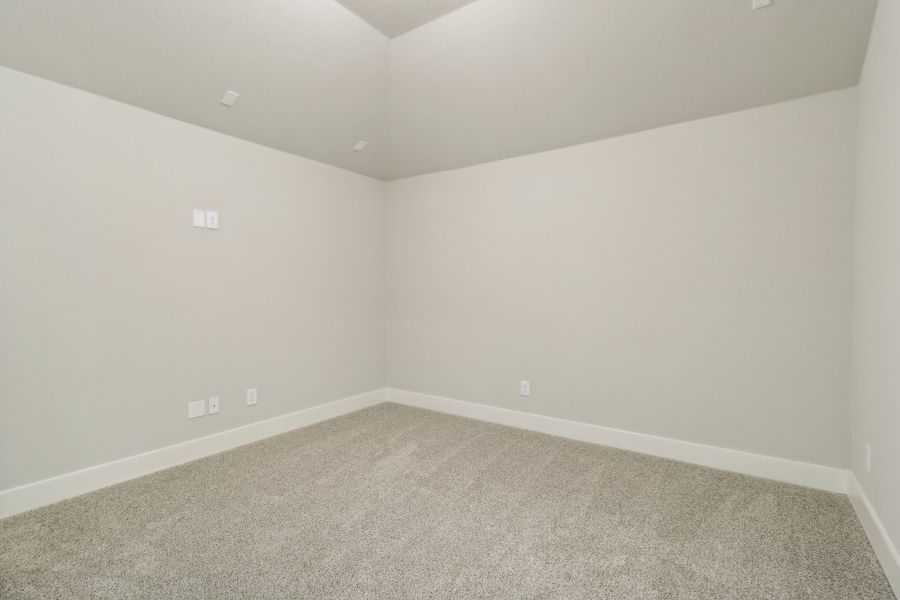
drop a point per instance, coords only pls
(438, 84)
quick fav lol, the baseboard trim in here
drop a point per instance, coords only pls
(878, 536)
(831, 479)
(47, 491)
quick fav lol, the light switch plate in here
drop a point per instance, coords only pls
(212, 219)
(252, 397)
(758, 4)
(213, 405)
(200, 218)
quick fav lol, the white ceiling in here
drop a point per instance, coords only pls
(500, 78)
(395, 17)
(490, 80)
(312, 77)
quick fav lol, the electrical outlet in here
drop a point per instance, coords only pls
(200, 218)
(252, 397)
(196, 409)
(212, 219)
(213, 405)
(868, 458)
(525, 388)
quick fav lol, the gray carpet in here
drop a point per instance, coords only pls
(394, 503)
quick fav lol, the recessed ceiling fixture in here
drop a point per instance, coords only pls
(229, 98)
(758, 4)
(360, 146)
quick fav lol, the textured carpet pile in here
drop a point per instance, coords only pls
(395, 503)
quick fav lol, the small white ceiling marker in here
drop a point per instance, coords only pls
(360, 146)
(758, 4)
(229, 98)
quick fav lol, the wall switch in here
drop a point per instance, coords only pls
(196, 409)
(252, 397)
(525, 388)
(200, 218)
(212, 219)
(868, 458)
(213, 405)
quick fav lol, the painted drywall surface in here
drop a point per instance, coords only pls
(876, 316)
(503, 78)
(395, 17)
(312, 76)
(493, 79)
(691, 282)
(115, 311)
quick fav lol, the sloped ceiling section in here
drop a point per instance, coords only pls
(395, 17)
(312, 77)
(500, 78)
(490, 80)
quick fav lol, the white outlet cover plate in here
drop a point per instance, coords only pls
(758, 4)
(213, 405)
(212, 219)
(196, 409)
(252, 397)
(229, 98)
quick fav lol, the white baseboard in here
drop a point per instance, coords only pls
(47, 491)
(881, 542)
(831, 479)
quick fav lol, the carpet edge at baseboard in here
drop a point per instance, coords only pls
(54, 489)
(884, 547)
(831, 479)
(68, 485)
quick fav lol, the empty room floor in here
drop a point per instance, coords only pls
(397, 502)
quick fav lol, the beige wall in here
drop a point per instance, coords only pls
(691, 282)
(115, 312)
(876, 315)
